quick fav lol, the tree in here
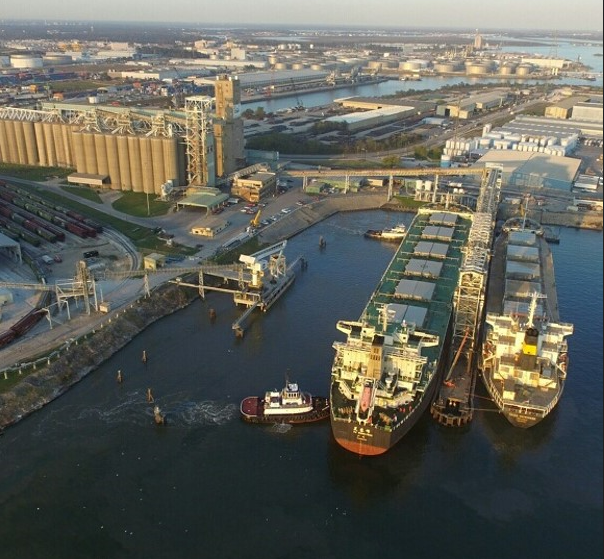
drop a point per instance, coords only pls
(390, 161)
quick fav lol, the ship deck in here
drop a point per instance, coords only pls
(496, 284)
(446, 254)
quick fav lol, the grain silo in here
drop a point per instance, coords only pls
(134, 156)
(100, 149)
(78, 151)
(30, 143)
(147, 164)
(20, 137)
(13, 155)
(67, 144)
(124, 163)
(90, 153)
(57, 135)
(159, 173)
(171, 160)
(113, 161)
(40, 143)
(51, 152)
(3, 142)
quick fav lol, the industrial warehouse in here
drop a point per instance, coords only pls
(139, 151)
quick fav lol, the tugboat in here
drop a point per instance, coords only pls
(289, 405)
(396, 233)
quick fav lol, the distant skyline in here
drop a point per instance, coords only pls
(554, 15)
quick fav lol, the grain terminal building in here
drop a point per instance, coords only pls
(130, 150)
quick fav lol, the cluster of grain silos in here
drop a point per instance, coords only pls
(137, 163)
(35, 143)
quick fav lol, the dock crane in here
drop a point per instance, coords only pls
(271, 259)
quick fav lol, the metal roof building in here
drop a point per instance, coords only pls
(530, 169)
(358, 121)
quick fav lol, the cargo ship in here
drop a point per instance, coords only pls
(393, 234)
(524, 358)
(288, 405)
(385, 373)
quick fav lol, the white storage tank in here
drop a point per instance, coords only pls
(29, 60)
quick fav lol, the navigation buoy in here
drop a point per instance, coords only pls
(158, 416)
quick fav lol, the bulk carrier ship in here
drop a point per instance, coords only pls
(384, 375)
(524, 357)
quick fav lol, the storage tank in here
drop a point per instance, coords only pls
(134, 156)
(508, 68)
(524, 69)
(299, 66)
(281, 66)
(26, 60)
(414, 65)
(113, 161)
(317, 67)
(449, 67)
(56, 59)
(273, 59)
(124, 163)
(477, 69)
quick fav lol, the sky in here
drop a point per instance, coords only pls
(559, 15)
